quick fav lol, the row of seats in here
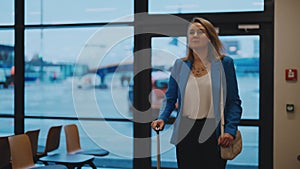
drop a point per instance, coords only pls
(15, 149)
(21, 154)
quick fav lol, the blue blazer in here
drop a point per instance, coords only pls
(220, 73)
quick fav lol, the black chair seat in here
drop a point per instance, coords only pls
(94, 152)
(69, 160)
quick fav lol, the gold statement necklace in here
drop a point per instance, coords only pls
(199, 70)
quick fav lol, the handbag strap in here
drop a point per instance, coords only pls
(221, 103)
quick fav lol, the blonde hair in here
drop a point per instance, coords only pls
(215, 45)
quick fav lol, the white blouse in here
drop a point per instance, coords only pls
(197, 102)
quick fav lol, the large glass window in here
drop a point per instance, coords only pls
(50, 58)
(7, 57)
(7, 127)
(249, 154)
(6, 72)
(245, 52)
(202, 6)
(81, 11)
(79, 72)
(7, 12)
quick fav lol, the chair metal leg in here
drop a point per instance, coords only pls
(45, 163)
(92, 164)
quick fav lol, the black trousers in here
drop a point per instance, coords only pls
(191, 154)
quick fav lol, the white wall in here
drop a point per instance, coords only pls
(287, 55)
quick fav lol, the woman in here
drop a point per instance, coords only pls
(196, 82)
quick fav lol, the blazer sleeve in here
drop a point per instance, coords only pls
(171, 96)
(233, 109)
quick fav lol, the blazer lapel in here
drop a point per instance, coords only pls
(184, 76)
(216, 67)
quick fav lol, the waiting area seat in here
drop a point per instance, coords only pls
(33, 137)
(52, 141)
(71, 161)
(5, 153)
(73, 142)
(21, 154)
(22, 150)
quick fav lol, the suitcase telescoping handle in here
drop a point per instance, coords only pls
(158, 148)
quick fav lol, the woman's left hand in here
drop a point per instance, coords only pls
(226, 140)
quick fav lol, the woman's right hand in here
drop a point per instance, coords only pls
(158, 124)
